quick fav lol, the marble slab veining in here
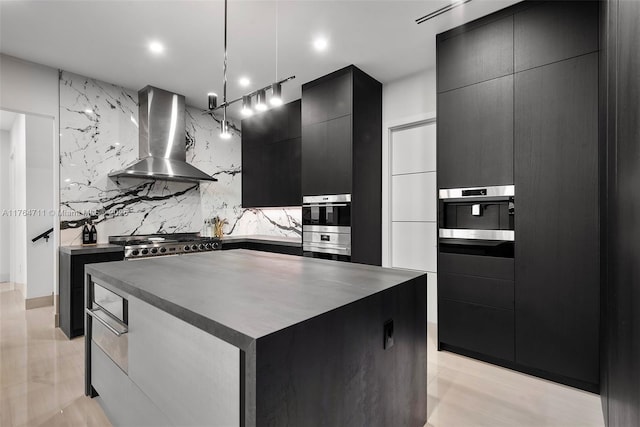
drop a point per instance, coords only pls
(99, 134)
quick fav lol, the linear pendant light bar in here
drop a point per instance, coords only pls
(260, 94)
(441, 11)
(255, 92)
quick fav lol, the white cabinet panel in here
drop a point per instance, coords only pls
(193, 376)
(432, 297)
(414, 149)
(413, 197)
(123, 402)
(413, 245)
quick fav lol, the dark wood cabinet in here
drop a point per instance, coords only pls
(327, 98)
(491, 292)
(71, 281)
(554, 31)
(475, 135)
(533, 124)
(264, 247)
(326, 157)
(476, 328)
(557, 249)
(474, 56)
(342, 151)
(271, 157)
(620, 367)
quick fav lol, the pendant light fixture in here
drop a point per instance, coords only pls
(260, 94)
(261, 100)
(276, 96)
(246, 111)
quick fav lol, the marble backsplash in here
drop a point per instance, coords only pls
(99, 134)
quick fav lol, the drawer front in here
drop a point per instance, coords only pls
(340, 239)
(167, 355)
(496, 293)
(123, 402)
(116, 347)
(110, 301)
(485, 330)
(474, 265)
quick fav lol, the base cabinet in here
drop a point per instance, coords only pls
(71, 279)
(541, 121)
(167, 354)
(557, 250)
(177, 374)
(477, 328)
(264, 247)
(123, 402)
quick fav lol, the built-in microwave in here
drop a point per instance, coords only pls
(326, 226)
(477, 221)
(329, 211)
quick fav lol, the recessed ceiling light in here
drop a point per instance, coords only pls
(244, 81)
(320, 44)
(156, 47)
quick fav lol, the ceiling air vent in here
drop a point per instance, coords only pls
(442, 10)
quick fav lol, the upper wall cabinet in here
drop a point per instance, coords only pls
(271, 158)
(342, 151)
(475, 135)
(327, 99)
(555, 31)
(335, 114)
(483, 53)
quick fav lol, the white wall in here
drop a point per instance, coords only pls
(405, 215)
(411, 96)
(27, 87)
(39, 198)
(18, 191)
(5, 205)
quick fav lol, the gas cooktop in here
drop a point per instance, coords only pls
(142, 246)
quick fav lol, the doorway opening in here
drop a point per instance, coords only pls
(27, 212)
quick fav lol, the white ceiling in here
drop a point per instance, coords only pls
(6, 120)
(108, 40)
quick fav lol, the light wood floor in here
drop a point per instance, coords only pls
(42, 374)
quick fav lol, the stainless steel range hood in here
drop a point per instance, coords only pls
(162, 143)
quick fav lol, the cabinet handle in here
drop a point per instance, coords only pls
(119, 328)
(331, 205)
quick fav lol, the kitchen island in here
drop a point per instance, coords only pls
(246, 338)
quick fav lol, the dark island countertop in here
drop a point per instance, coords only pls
(241, 295)
(91, 249)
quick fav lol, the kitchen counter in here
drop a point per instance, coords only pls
(91, 249)
(243, 295)
(257, 238)
(299, 326)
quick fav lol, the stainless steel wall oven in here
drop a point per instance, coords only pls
(326, 226)
(477, 221)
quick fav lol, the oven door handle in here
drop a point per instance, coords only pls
(117, 327)
(470, 234)
(326, 205)
(316, 245)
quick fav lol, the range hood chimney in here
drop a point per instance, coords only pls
(162, 143)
